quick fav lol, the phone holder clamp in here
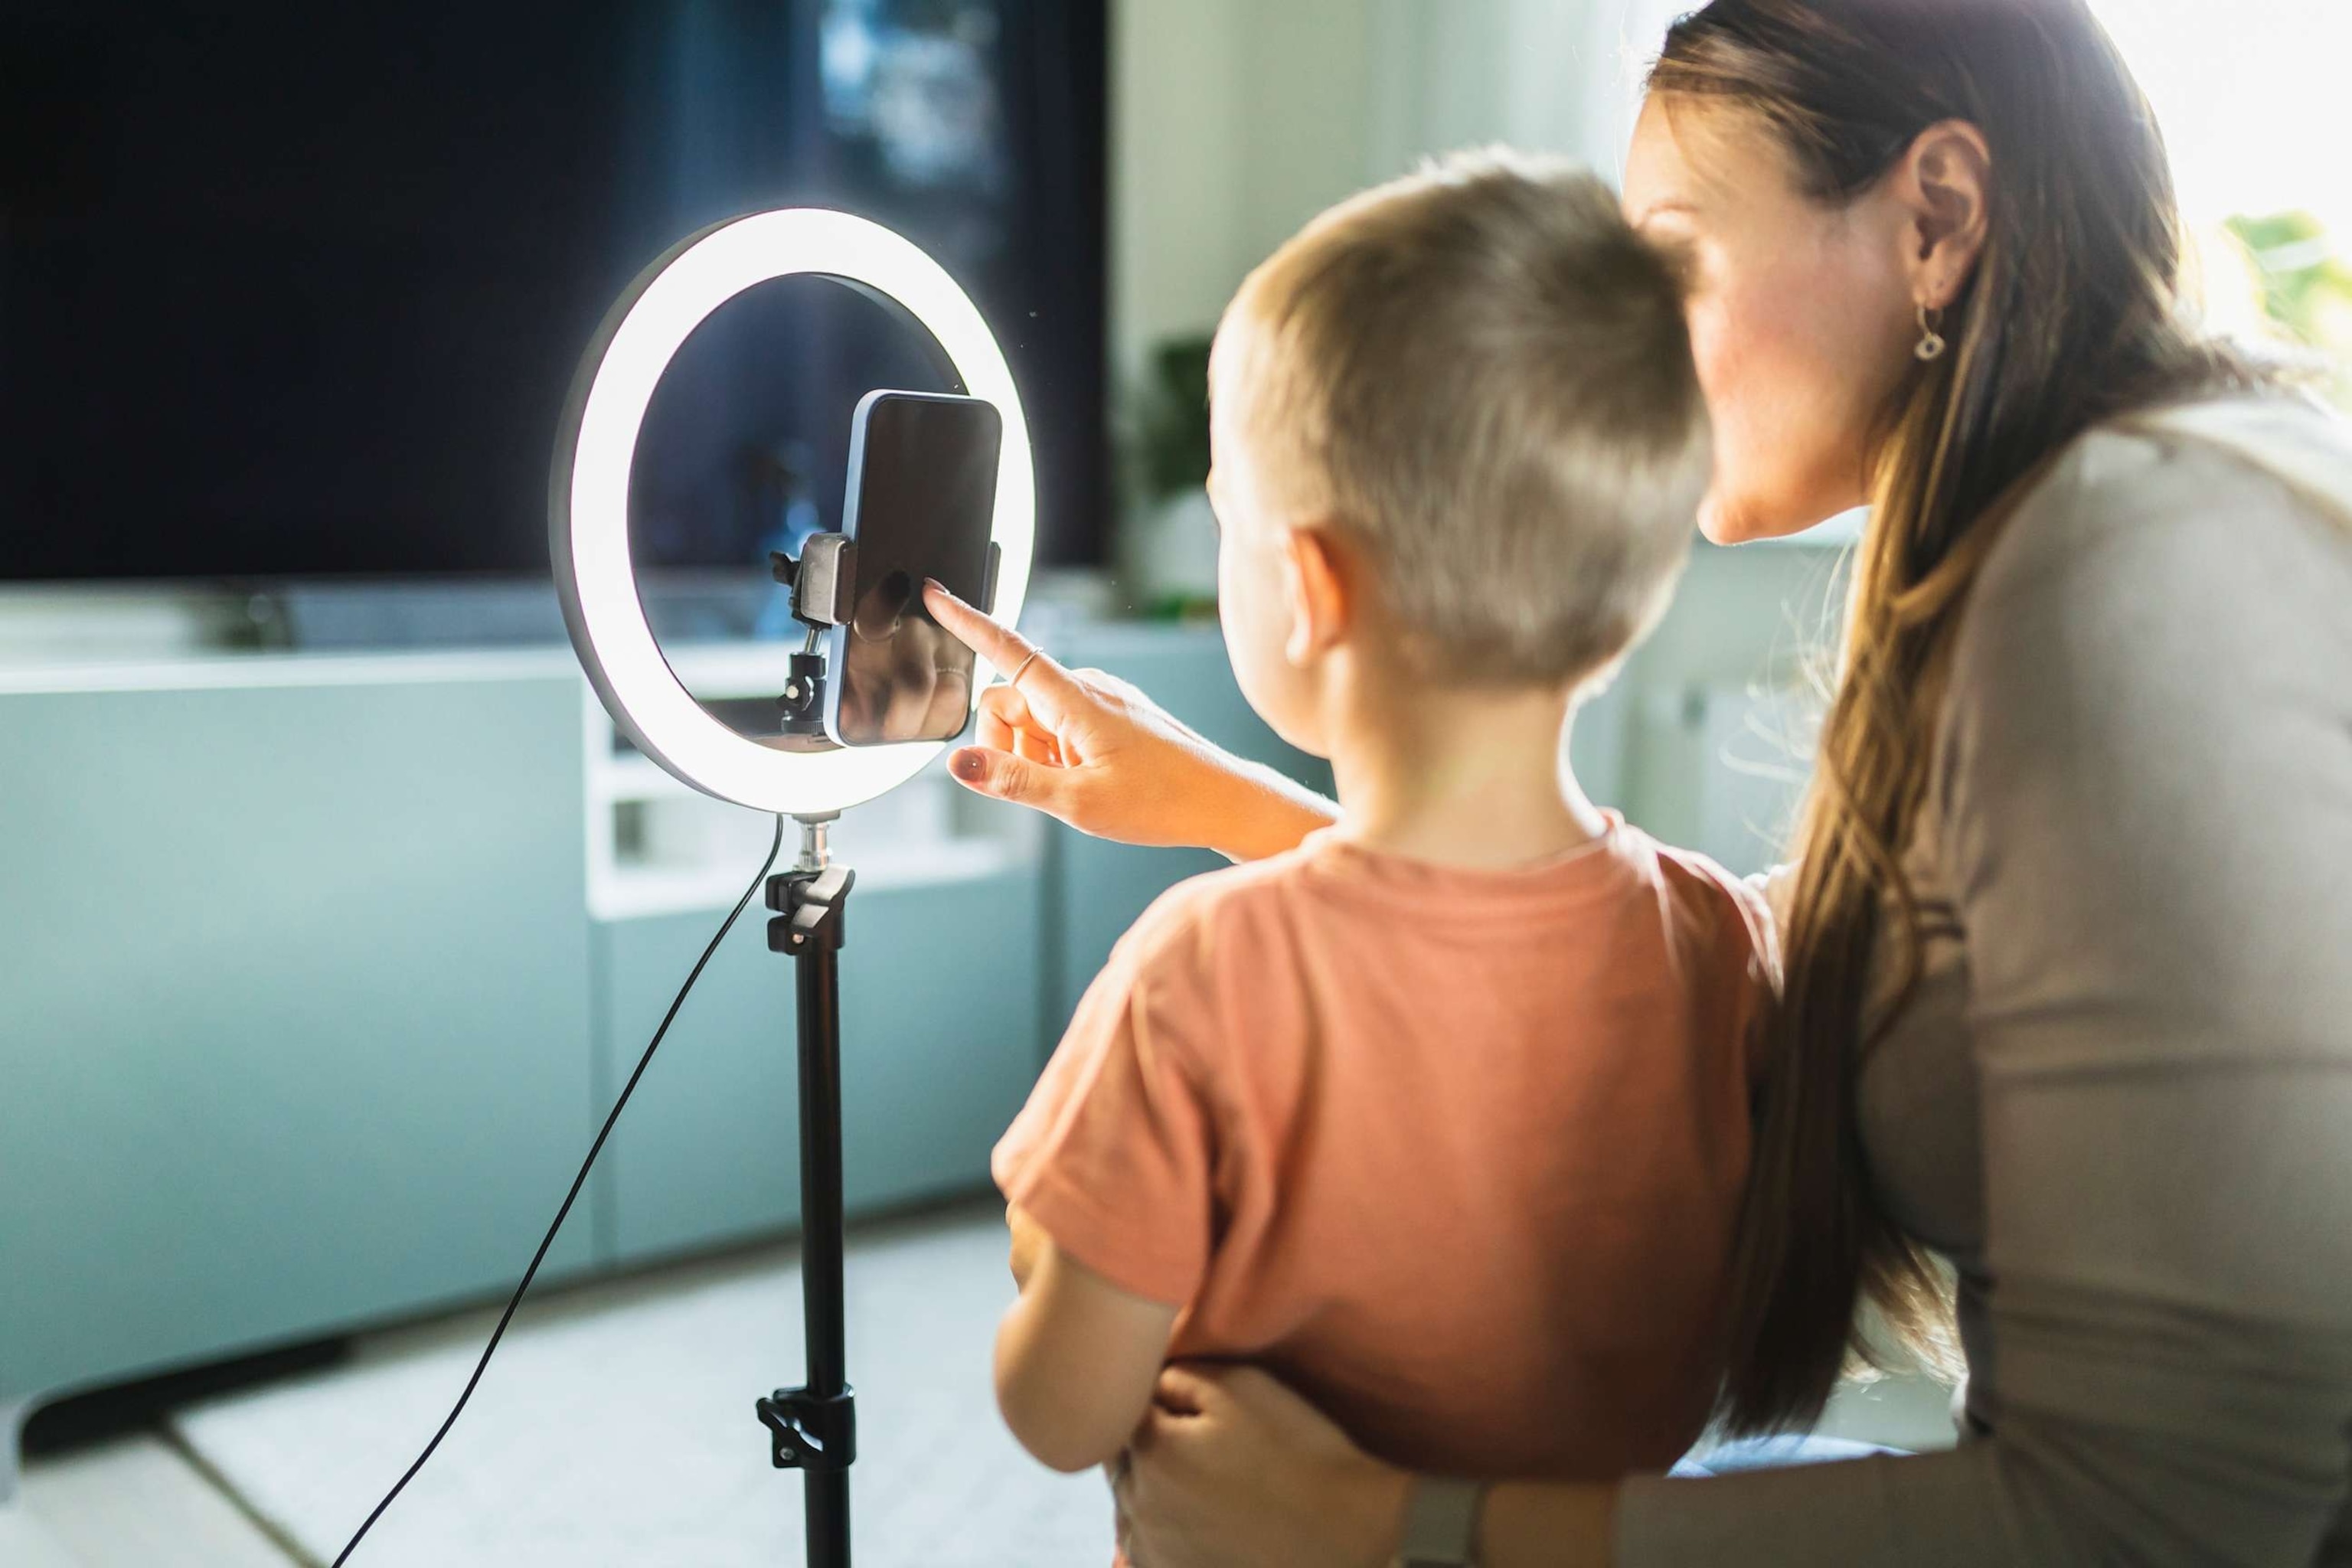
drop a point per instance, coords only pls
(822, 582)
(824, 585)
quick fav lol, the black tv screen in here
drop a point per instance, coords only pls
(296, 289)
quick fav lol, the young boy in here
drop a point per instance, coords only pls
(1443, 1117)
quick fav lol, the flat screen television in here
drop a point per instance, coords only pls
(295, 291)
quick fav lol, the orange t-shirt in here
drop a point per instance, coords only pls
(1455, 1153)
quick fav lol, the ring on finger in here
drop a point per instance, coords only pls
(1023, 669)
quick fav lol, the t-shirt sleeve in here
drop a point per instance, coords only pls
(1748, 940)
(1114, 1155)
(1774, 889)
(1759, 933)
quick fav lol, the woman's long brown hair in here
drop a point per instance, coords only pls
(2072, 317)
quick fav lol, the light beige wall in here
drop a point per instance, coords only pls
(1232, 122)
(1460, 73)
(1307, 64)
(1176, 137)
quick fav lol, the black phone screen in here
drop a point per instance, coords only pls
(922, 504)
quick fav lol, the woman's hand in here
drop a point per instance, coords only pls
(1231, 1469)
(1093, 751)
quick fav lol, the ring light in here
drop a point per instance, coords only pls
(588, 495)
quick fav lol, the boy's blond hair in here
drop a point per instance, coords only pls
(1484, 374)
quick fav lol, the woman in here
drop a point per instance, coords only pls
(2068, 951)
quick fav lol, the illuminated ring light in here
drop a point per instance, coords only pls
(588, 495)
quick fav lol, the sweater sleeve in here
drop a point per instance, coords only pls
(2145, 797)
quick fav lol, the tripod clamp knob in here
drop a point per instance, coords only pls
(809, 909)
(810, 1431)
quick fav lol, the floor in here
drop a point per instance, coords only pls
(647, 1374)
(613, 1427)
(138, 1499)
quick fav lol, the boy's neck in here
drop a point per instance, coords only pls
(1467, 776)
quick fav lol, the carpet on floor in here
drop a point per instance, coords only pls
(615, 1427)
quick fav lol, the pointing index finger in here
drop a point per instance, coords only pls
(999, 644)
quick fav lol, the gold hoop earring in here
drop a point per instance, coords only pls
(1931, 336)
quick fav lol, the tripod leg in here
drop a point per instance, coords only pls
(821, 1224)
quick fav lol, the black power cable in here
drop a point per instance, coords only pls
(577, 1183)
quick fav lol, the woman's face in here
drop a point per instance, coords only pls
(1801, 315)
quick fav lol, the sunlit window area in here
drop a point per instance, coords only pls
(2252, 99)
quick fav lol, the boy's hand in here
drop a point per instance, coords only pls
(1028, 1241)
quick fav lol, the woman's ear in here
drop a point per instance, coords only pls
(1315, 582)
(1944, 182)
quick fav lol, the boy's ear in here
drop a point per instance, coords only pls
(1318, 585)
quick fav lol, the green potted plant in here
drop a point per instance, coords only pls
(1168, 552)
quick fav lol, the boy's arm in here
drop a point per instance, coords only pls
(1076, 1358)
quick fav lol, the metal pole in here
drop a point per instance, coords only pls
(814, 1428)
(820, 1287)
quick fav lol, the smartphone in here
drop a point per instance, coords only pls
(922, 503)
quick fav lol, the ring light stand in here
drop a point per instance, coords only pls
(812, 1428)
